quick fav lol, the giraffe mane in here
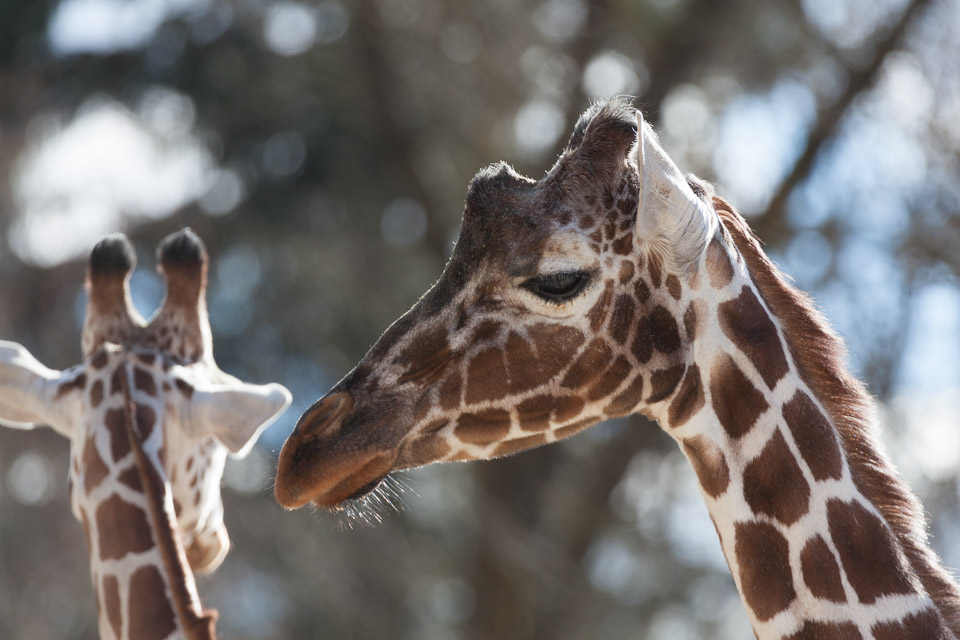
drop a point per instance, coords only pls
(820, 356)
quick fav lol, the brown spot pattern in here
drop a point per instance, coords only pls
(115, 423)
(427, 370)
(623, 245)
(661, 330)
(568, 408)
(621, 322)
(123, 529)
(593, 359)
(689, 399)
(709, 463)
(662, 383)
(764, 561)
(483, 427)
(598, 313)
(555, 345)
(812, 630)
(673, 286)
(450, 391)
(151, 614)
(99, 361)
(718, 264)
(486, 330)
(867, 551)
(96, 393)
(814, 437)
(535, 413)
(747, 325)
(735, 400)
(185, 388)
(925, 624)
(131, 477)
(641, 291)
(146, 419)
(94, 469)
(773, 483)
(70, 385)
(116, 381)
(423, 347)
(487, 376)
(143, 381)
(610, 379)
(627, 399)
(690, 322)
(656, 274)
(820, 571)
(524, 369)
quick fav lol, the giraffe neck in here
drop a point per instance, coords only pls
(142, 580)
(822, 538)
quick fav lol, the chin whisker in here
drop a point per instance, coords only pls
(372, 509)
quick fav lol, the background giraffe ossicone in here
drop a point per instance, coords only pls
(611, 286)
(150, 418)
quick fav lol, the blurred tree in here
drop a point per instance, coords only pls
(322, 150)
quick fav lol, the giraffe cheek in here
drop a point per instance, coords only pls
(423, 450)
(483, 427)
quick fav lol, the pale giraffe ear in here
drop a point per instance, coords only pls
(32, 394)
(234, 413)
(672, 222)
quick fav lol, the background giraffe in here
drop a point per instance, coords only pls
(614, 286)
(150, 419)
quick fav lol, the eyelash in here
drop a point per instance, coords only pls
(558, 287)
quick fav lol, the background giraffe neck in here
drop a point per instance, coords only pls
(820, 533)
(191, 620)
(143, 583)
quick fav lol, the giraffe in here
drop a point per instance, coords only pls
(614, 286)
(150, 419)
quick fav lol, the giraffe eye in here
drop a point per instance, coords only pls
(558, 287)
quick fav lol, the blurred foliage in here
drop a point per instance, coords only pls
(322, 150)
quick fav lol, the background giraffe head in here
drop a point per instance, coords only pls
(560, 306)
(188, 416)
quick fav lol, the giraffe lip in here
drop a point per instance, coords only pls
(350, 487)
(311, 474)
(367, 488)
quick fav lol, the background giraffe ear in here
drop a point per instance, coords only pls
(234, 413)
(672, 222)
(32, 394)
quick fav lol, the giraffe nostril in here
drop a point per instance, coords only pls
(325, 416)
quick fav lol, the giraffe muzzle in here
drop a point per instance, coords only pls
(311, 468)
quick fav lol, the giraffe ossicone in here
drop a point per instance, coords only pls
(150, 419)
(613, 286)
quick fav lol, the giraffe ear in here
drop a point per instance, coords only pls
(672, 222)
(234, 413)
(32, 394)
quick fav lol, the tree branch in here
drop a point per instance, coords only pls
(772, 224)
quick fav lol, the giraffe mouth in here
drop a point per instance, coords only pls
(366, 489)
(306, 474)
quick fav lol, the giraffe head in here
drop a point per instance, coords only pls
(560, 306)
(151, 420)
